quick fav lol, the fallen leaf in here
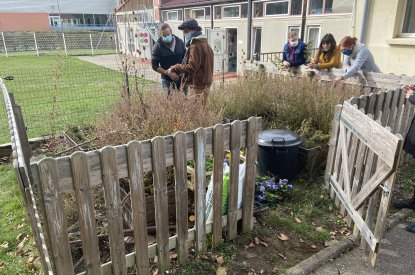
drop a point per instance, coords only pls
(155, 260)
(333, 233)
(313, 223)
(8, 214)
(275, 270)
(320, 229)
(192, 218)
(297, 220)
(155, 271)
(321, 197)
(250, 255)
(20, 226)
(221, 271)
(22, 243)
(313, 246)
(173, 256)
(301, 241)
(129, 240)
(261, 272)
(203, 257)
(251, 272)
(292, 213)
(4, 245)
(330, 208)
(256, 240)
(250, 245)
(220, 260)
(282, 237)
(282, 256)
(1, 264)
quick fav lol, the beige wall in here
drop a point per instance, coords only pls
(392, 54)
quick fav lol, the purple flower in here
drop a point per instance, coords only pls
(289, 186)
(262, 189)
(283, 181)
(260, 198)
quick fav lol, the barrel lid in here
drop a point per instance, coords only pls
(279, 138)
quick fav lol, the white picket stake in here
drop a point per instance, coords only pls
(37, 49)
(4, 43)
(64, 44)
(92, 47)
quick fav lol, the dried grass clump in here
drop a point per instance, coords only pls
(140, 117)
(302, 105)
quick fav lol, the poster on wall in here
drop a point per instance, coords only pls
(144, 44)
(217, 39)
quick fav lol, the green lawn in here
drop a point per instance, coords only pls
(57, 91)
(18, 255)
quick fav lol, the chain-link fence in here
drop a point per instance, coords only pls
(56, 92)
(46, 43)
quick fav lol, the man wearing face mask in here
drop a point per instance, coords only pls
(168, 51)
(358, 57)
(294, 51)
(197, 66)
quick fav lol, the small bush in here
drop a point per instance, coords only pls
(140, 117)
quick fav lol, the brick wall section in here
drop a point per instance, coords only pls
(24, 22)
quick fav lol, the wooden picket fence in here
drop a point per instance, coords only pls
(364, 153)
(45, 184)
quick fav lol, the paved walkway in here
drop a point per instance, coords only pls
(397, 256)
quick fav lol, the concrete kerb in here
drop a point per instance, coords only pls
(312, 263)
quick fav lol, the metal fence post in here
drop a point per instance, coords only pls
(64, 44)
(92, 47)
(115, 39)
(37, 49)
(4, 44)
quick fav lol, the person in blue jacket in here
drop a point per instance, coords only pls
(294, 51)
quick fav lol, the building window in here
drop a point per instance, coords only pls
(408, 27)
(207, 13)
(172, 16)
(296, 7)
(244, 10)
(330, 6)
(296, 29)
(198, 14)
(258, 9)
(276, 8)
(231, 12)
(313, 36)
(257, 40)
(218, 12)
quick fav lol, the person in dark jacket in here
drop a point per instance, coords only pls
(409, 147)
(294, 51)
(168, 51)
(197, 66)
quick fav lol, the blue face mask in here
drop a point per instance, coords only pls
(188, 37)
(167, 39)
(347, 52)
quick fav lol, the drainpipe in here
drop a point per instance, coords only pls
(211, 16)
(364, 21)
(249, 34)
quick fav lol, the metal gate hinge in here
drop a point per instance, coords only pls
(385, 190)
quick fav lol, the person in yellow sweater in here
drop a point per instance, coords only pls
(328, 55)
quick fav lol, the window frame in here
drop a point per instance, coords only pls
(274, 2)
(293, 26)
(231, 6)
(308, 33)
(171, 11)
(324, 13)
(198, 8)
(403, 14)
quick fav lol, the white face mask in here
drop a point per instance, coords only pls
(294, 43)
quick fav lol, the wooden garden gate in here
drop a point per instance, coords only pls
(361, 167)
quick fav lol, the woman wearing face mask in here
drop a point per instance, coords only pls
(294, 51)
(328, 55)
(358, 57)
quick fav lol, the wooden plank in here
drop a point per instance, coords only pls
(138, 205)
(250, 175)
(333, 142)
(232, 230)
(379, 106)
(85, 204)
(381, 174)
(130, 258)
(384, 206)
(65, 180)
(345, 161)
(160, 197)
(180, 176)
(386, 107)
(24, 140)
(373, 135)
(370, 107)
(113, 208)
(359, 222)
(396, 126)
(200, 191)
(55, 216)
(218, 156)
(336, 169)
(396, 94)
